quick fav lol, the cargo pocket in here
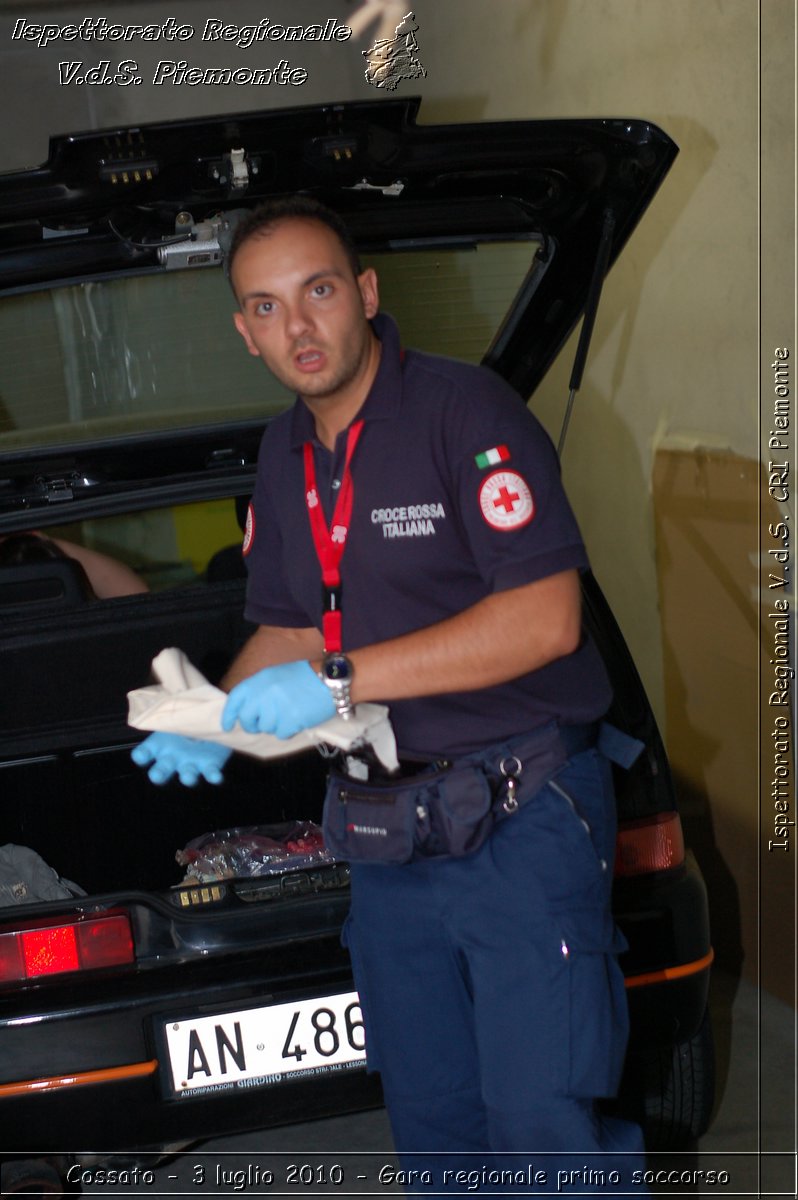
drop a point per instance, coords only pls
(598, 1012)
(349, 942)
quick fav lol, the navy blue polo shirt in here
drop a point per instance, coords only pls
(457, 495)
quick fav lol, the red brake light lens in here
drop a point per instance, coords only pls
(49, 951)
(35, 951)
(651, 844)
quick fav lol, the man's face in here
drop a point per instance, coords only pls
(303, 311)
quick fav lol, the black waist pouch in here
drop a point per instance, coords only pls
(444, 810)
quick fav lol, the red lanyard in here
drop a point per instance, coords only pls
(330, 545)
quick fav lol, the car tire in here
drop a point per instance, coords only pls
(30, 1176)
(679, 1091)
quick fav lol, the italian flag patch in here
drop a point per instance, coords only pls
(489, 458)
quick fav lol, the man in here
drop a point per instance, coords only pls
(428, 498)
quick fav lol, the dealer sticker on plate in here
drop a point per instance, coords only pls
(259, 1046)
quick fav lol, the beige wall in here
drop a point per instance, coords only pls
(662, 460)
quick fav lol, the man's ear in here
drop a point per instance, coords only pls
(241, 326)
(369, 292)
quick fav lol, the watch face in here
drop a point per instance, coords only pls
(337, 667)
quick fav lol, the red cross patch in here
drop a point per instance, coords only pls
(506, 500)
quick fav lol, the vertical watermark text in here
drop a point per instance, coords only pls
(778, 556)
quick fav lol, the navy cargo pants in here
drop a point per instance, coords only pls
(493, 1003)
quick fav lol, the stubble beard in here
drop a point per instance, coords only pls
(323, 386)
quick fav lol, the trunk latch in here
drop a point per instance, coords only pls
(54, 491)
(58, 488)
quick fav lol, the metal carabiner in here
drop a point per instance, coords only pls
(510, 769)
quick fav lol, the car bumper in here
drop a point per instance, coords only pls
(665, 920)
(85, 1062)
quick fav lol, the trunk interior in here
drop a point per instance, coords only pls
(69, 790)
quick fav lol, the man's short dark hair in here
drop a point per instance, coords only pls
(266, 216)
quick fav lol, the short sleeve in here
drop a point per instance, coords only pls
(268, 600)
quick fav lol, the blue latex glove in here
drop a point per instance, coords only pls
(188, 758)
(280, 700)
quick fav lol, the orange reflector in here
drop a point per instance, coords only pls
(33, 952)
(668, 974)
(27, 1087)
(650, 844)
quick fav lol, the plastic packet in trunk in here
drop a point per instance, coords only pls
(254, 850)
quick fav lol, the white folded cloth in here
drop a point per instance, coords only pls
(184, 702)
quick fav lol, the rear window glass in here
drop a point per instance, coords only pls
(164, 547)
(124, 356)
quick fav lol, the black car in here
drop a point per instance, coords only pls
(130, 421)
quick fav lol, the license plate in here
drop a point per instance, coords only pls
(255, 1047)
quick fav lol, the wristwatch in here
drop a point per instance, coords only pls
(337, 672)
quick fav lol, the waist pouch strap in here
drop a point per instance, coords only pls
(618, 747)
(450, 810)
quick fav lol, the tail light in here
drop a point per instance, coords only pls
(650, 844)
(41, 949)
